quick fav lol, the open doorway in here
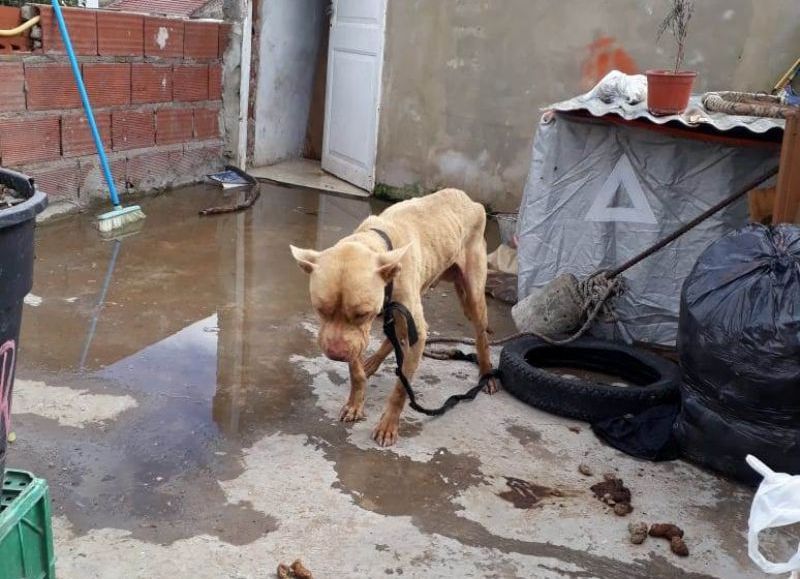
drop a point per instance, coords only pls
(316, 107)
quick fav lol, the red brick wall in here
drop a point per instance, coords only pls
(155, 86)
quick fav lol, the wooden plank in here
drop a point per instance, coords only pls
(761, 203)
(787, 191)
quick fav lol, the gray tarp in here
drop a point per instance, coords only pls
(599, 193)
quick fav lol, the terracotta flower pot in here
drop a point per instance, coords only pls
(668, 92)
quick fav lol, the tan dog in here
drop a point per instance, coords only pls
(440, 236)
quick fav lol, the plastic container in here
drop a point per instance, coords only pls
(26, 531)
(16, 278)
(668, 92)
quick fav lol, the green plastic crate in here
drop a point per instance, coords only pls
(26, 532)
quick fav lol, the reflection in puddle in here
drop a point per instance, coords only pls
(198, 321)
(205, 308)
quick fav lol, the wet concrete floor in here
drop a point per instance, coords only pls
(170, 390)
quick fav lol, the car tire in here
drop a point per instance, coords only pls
(524, 372)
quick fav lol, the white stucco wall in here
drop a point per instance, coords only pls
(289, 40)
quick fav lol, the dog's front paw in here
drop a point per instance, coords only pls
(492, 386)
(352, 413)
(386, 432)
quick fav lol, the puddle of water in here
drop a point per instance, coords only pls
(197, 319)
(590, 376)
(206, 308)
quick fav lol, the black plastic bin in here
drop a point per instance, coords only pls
(16, 278)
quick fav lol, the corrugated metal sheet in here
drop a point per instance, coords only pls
(184, 8)
(693, 117)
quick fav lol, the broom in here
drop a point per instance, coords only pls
(119, 216)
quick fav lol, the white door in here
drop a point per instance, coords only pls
(355, 63)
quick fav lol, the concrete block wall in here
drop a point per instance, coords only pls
(155, 85)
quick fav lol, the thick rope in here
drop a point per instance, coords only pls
(747, 104)
(596, 293)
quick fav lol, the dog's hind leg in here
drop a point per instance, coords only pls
(471, 286)
(386, 431)
(374, 362)
(353, 410)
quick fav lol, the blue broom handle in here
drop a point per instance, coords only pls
(98, 143)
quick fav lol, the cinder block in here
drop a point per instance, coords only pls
(206, 124)
(173, 126)
(60, 180)
(215, 82)
(201, 40)
(108, 84)
(10, 17)
(76, 136)
(163, 37)
(190, 83)
(12, 87)
(27, 140)
(151, 83)
(198, 162)
(51, 86)
(225, 32)
(92, 182)
(132, 129)
(120, 34)
(82, 25)
(153, 170)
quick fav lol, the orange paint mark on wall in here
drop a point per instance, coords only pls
(604, 55)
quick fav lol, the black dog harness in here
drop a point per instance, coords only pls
(390, 308)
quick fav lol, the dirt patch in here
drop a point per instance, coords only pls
(410, 428)
(430, 379)
(525, 494)
(337, 378)
(525, 436)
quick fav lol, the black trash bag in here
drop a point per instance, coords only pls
(739, 334)
(721, 442)
(647, 435)
(739, 344)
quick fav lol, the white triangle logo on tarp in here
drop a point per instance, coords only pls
(623, 176)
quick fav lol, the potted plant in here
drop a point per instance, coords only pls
(668, 91)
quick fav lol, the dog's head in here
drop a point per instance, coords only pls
(347, 284)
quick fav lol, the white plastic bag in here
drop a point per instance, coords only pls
(776, 504)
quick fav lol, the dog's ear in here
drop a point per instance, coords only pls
(389, 262)
(306, 258)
